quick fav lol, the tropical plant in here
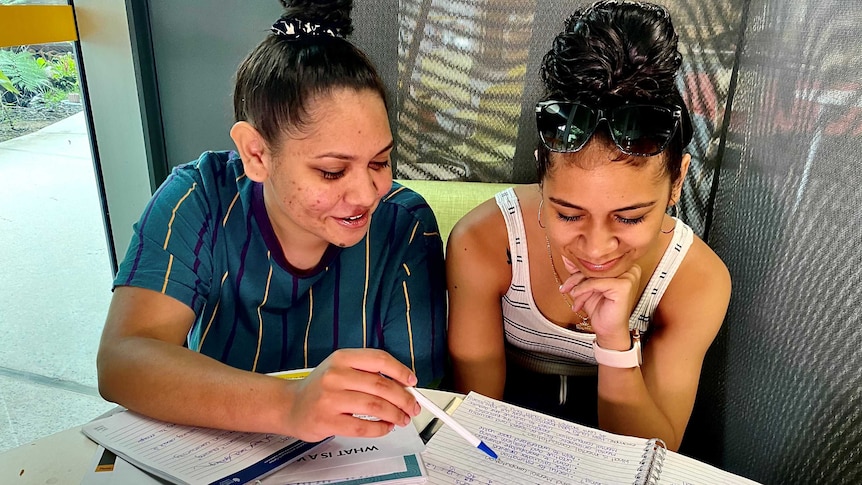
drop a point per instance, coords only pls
(6, 86)
(64, 73)
(29, 74)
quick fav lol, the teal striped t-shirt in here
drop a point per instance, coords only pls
(206, 240)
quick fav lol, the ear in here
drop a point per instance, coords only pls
(253, 150)
(676, 190)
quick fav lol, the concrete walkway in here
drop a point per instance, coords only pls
(55, 282)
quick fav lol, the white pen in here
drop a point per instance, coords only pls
(449, 420)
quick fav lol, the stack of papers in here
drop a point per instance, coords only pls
(189, 455)
(152, 452)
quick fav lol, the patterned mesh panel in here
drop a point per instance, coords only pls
(772, 188)
(467, 82)
(788, 407)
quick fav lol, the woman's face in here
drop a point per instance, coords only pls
(604, 215)
(325, 182)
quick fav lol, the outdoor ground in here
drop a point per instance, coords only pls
(16, 121)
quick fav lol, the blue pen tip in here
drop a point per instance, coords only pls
(482, 446)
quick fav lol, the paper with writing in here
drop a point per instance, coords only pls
(532, 448)
(536, 448)
(193, 455)
(344, 457)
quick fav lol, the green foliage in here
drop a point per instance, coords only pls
(53, 96)
(64, 74)
(29, 74)
(6, 85)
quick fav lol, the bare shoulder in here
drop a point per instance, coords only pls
(478, 245)
(698, 296)
(481, 228)
(703, 271)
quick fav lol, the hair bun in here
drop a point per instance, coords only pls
(333, 14)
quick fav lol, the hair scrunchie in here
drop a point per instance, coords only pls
(294, 29)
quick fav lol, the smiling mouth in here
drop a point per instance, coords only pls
(601, 266)
(358, 220)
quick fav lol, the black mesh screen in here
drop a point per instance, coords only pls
(775, 90)
(468, 79)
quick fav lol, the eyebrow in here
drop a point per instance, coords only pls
(344, 156)
(621, 209)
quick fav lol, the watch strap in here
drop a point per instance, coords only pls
(623, 359)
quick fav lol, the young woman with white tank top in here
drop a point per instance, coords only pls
(581, 296)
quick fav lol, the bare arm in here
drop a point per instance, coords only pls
(477, 274)
(143, 365)
(656, 399)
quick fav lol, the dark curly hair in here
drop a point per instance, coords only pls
(277, 80)
(612, 53)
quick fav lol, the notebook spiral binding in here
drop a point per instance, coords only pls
(649, 469)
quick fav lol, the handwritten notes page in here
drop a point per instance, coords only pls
(532, 447)
(682, 470)
(193, 455)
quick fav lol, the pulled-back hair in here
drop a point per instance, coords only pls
(283, 74)
(612, 53)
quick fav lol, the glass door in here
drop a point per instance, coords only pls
(55, 264)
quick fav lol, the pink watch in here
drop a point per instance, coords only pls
(625, 359)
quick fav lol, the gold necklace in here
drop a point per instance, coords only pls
(584, 324)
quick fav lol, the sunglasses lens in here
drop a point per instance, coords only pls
(642, 130)
(565, 127)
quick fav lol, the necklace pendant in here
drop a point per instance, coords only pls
(584, 324)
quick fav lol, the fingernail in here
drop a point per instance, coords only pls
(417, 409)
(412, 380)
(406, 420)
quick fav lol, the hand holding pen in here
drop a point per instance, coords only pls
(347, 384)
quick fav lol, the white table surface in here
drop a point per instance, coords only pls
(63, 458)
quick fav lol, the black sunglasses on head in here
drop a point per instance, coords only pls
(641, 130)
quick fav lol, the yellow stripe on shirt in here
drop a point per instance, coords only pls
(259, 316)
(412, 234)
(229, 208)
(168, 273)
(212, 317)
(308, 325)
(409, 327)
(393, 194)
(174, 214)
(365, 291)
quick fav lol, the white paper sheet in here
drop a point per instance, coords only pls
(343, 458)
(192, 455)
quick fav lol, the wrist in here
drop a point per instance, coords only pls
(616, 340)
(287, 393)
(624, 359)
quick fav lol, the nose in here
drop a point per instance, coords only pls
(364, 191)
(597, 241)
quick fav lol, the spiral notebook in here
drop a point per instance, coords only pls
(537, 448)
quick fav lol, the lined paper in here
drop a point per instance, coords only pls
(193, 455)
(682, 470)
(532, 447)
